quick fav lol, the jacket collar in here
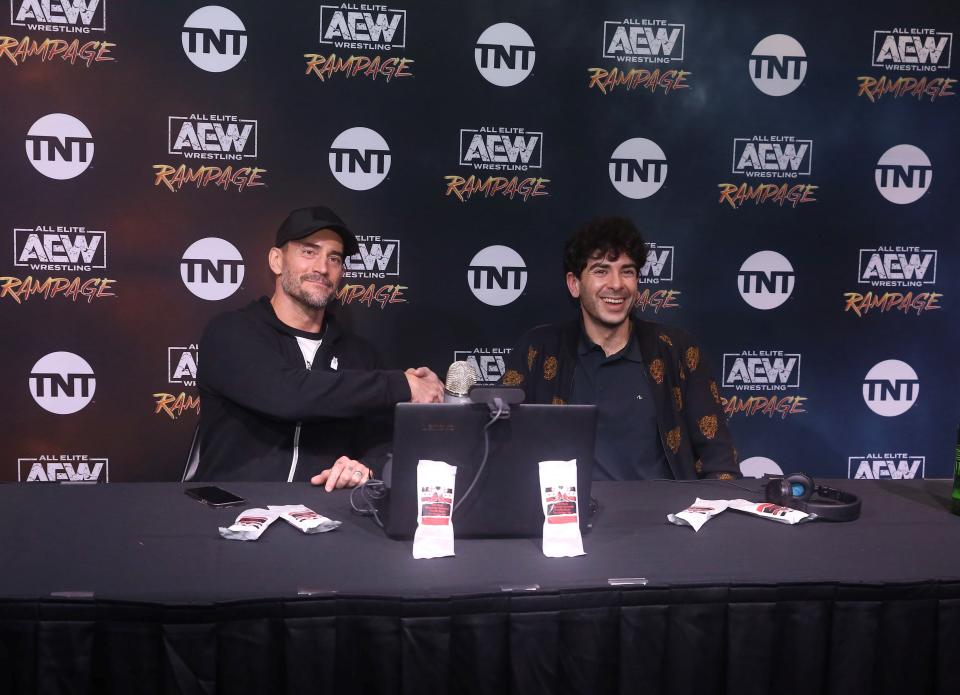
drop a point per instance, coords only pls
(263, 310)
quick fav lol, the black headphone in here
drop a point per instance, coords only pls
(795, 491)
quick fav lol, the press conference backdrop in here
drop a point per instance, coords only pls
(795, 167)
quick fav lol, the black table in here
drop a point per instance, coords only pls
(128, 588)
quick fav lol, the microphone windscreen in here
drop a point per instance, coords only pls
(460, 378)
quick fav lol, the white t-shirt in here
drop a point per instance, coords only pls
(309, 349)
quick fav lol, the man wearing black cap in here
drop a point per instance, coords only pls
(285, 393)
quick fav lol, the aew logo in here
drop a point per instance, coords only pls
(761, 370)
(501, 149)
(638, 168)
(497, 275)
(778, 65)
(643, 41)
(488, 363)
(766, 280)
(659, 265)
(886, 467)
(359, 158)
(891, 388)
(780, 156)
(903, 174)
(212, 268)
(199, 136)
(59, 248)
(182, 365)
(214, 38)
(377, 258)
(62, 383)
(504, 54)
(898, 266)
(66, 468)
(380, 30)
(59, 146)
(912, 49)
(62, 16)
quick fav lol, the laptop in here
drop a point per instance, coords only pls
(505, 500)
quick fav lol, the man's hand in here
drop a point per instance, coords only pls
(425, 387)
(344, 473)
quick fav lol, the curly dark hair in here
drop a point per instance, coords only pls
(606, 236)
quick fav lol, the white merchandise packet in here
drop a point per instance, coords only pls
(774, 512)
(250, 525)
(304, 518)
(435, 487)
(561, 509)
(698, 513)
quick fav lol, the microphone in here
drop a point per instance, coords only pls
(460, 379)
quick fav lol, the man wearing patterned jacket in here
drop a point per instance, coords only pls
(659, 412)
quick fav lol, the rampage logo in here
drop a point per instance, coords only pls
(174, 405)
(770, 156)
(891, 388)
(488, 363)
(212, 269)
(62, 383)
(504, 54)
(913, 49)
(62, 17)
(646, 41)
(778, 65)
(377, 259)
(885, 466)
(766, 280)
(182, 365)
(215, 136)
(214, 38)
(369, 28)
(657, 269)
(762, 370)
(63, 249)
(65, 468)
(903, 174)
(59, 146)
(499, 149)
(497, 275)
(907, 267)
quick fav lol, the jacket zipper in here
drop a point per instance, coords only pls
(296, 444)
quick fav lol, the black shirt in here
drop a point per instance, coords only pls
(628, 441)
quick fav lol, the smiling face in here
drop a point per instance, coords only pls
(308, 270)
(606, 288)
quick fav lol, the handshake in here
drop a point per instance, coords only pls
(425, 386)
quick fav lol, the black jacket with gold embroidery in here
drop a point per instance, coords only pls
(693, 428)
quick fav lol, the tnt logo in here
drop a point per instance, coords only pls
(59, 248)
(886, 467)
(70, 468)
(898, 266)
(497, 275)
(59, 146)
(488, 364)
(891, 388)
(779, 156)
(382, 30)
(359, 159)
(502, 149)
(903, 174)
(73, 16)
(211, 137)
(759, 466)
(377, 258)
(182, 365)
(644, 41)
(214, 38)
(62, 383)
(212, 268)
(638, 168)
(504, 54)
(659, 265)
(766, 370)
(778, 65)
(766, 280)
(918, 49)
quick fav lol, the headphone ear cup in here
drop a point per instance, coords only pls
(799, 486)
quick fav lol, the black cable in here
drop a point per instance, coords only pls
(486, 452)
(369, 492)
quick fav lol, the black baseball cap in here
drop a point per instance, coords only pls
(303, 222)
